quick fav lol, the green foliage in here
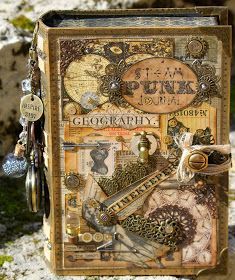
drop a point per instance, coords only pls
(5, 258)
(3, 277)
(23, 22)
(13, 208)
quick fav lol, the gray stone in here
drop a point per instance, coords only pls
(29, 264)
(32, 226)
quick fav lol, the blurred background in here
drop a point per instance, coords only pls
(17, 19)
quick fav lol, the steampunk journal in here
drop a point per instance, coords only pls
(136, 151)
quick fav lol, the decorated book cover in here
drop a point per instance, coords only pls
(136, 106)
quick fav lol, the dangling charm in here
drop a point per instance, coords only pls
(30, 143)
(31, 107)
(33, 185)
(15, 164)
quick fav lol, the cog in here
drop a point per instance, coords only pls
(179, 215)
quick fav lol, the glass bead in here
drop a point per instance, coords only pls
(26, 85)
(14, 166)
(23, 135)
(23, 121)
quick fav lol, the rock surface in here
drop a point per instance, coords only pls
(28, 263)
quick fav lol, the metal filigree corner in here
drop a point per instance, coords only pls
(208, 82)
(111, 83)
(220, 268)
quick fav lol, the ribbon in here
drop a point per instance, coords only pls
(184, 142)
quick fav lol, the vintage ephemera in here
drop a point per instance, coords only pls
(136, 108)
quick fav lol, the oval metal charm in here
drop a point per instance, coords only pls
(33, 189)
(159, 85)
(31, 107)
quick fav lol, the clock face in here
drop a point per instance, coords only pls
(82, 77)
(89, 100)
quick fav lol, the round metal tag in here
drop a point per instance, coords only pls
(31, 107)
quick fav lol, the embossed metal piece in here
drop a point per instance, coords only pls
(166, 232)
(208, 82)
(98, 237)
(197, 47)
(31, 107)
(106, 217)
(86, 237)
(197, 161)
(111, 83)
(124, 176)
(183, 221)
(123, 204)
(73, 181)
(168, 140)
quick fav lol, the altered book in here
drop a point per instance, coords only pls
(136, 154)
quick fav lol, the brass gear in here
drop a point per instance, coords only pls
(196, 47)
(106, 217)
(73, 181)
(172, 122)
(181, 216)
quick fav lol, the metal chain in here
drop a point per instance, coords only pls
(33, 72)
(166, 232)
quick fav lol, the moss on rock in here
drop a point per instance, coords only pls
(5, 258)
(23, 22)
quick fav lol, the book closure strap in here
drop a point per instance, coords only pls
(204, 159)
